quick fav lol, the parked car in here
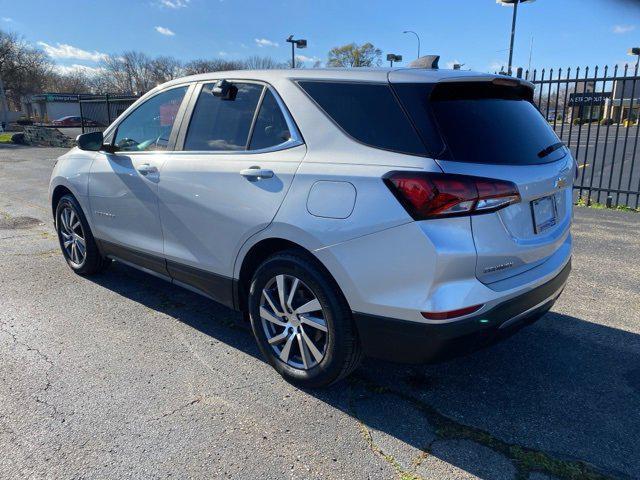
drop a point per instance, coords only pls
(396, 213)
(74, 121)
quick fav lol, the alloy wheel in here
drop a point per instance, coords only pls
(294, 322)
(73, 238)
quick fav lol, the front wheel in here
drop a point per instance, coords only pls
(302, 322)
(76, 240)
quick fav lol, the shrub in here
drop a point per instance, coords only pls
(18, 138)
(577, 121)
(606, 121)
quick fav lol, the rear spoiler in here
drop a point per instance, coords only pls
(495, 79)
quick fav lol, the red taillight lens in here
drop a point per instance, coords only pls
(431, 195)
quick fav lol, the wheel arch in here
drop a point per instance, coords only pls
(258, 253)
(58, 192)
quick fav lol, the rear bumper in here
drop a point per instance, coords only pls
(415, 342)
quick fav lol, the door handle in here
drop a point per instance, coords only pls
(256, 173)
(146, 169)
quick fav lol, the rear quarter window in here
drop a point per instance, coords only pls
(367, 112)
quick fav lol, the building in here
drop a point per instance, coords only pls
(45, 107)
(586, 103)
(624, 103)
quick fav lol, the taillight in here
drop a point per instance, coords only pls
(432, 195)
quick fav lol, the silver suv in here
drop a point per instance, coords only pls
(404, 214)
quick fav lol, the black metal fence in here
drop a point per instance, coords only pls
(98, 111)
(595, 113)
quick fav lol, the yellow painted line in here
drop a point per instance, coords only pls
(585, 165)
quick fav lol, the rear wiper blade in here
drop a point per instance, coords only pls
(550, 149)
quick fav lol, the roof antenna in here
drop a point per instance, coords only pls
(426, 61)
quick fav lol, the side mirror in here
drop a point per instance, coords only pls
(90, 141)
(225, 90)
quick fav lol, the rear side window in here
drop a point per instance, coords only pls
(367, 112)
(221, 124)
(481, 122)
(271, 128)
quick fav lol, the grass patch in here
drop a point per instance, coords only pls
(601, 206)
(5, 137)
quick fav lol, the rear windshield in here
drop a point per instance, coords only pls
(481, 122)
(367, 112)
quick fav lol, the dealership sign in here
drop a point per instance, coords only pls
(588, 98)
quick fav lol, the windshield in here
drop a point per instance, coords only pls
(481, 122)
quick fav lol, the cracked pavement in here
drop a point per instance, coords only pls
(125, 376)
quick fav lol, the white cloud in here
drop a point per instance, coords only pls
(620, 29)
(304, 58)
(222, 53)
(66, 69)
(62, 50)
(263, 42)
(7, 19)
(174, 3)
(165, 31)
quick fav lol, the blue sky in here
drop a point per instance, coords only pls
(473, 32)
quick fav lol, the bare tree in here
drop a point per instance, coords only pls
(23, 69)
(130, 73)
(165, 68)
(354, 55)
(256, 62)
(74, 81)
(203, 66)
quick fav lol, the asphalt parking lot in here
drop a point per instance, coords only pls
(125, 376)
(606, 157)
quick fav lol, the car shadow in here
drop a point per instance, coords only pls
(562, 397)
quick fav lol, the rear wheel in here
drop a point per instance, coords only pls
(301, 321)
(76, 240)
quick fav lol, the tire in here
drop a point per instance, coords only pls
(339, 345)
(70, 218)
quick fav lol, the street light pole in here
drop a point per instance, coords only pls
(515, 4)
(513, 35)
(392, 57)
(417, 37)
(300, 43)
(635, 51)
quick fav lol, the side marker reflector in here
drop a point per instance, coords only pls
(451, 313)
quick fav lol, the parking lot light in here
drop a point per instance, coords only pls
(635, 51)
(417, 38)
(513, 25)
(392, 57)
(300, 43)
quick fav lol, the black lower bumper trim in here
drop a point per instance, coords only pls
(416, 342)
